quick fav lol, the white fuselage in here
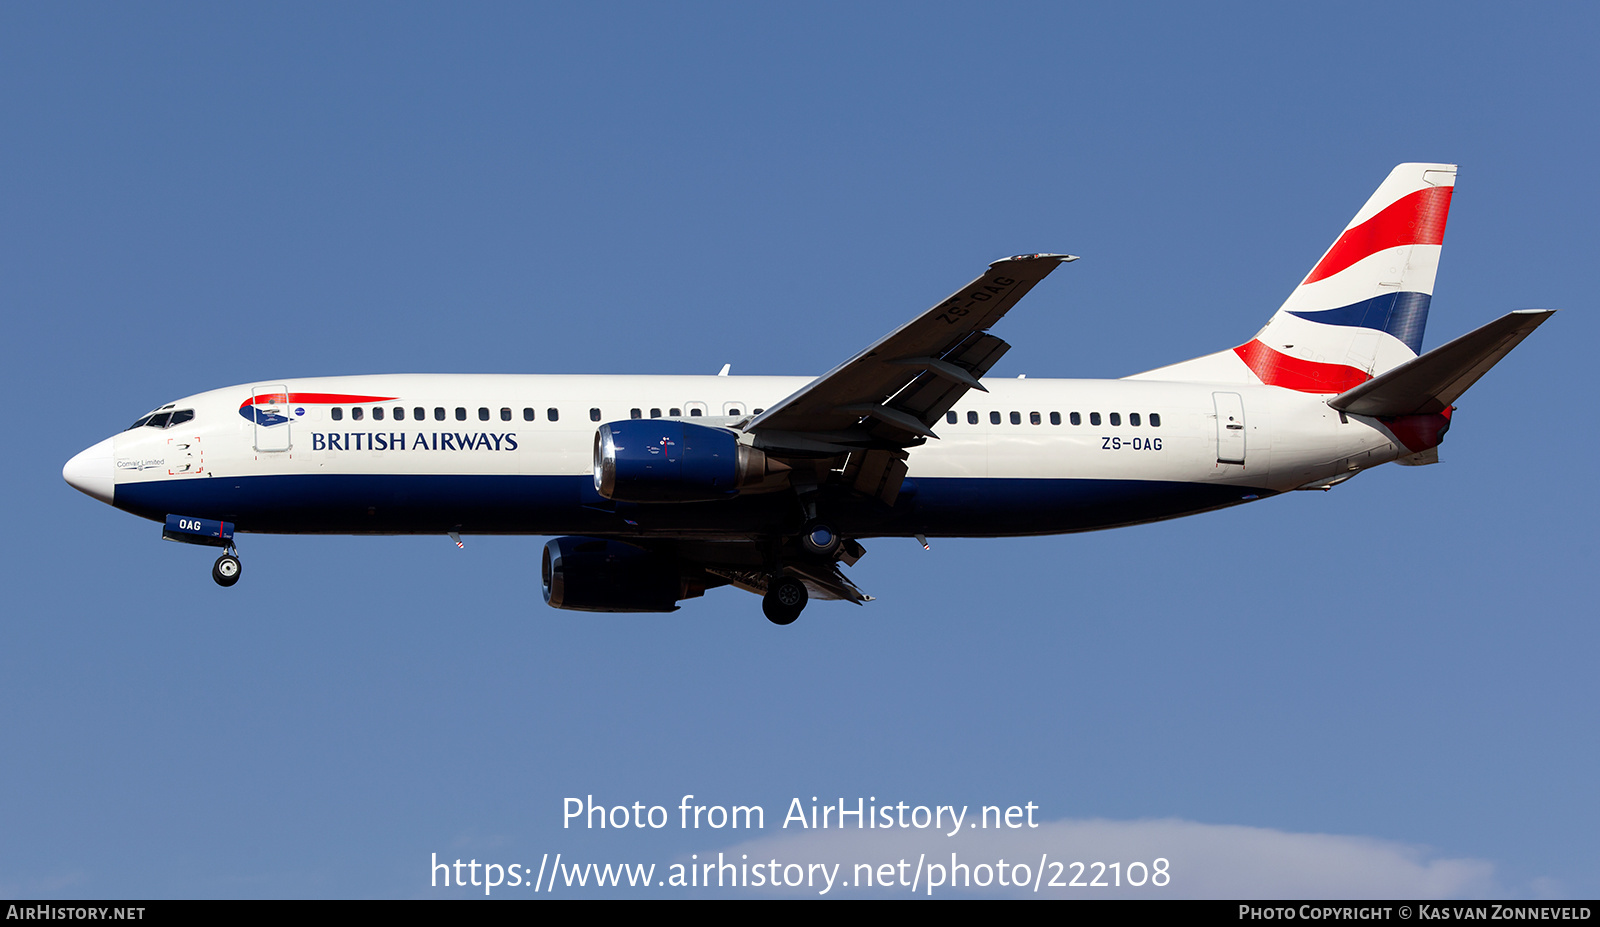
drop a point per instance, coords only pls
(1141, 450)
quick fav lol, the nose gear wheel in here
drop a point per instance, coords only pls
(226, 570)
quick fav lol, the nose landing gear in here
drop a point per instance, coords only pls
(227, 569)
(207, 532)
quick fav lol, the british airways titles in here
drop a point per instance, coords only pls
(396, 441)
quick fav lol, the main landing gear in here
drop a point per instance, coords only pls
(798, 564)
(786, 596)
(784, 601)
(227, 568)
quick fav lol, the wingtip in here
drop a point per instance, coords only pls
(1531, 318)
(1058, 258)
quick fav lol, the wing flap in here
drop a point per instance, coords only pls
(946, 379)
(919, 370)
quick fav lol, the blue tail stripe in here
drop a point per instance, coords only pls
(1403, 315)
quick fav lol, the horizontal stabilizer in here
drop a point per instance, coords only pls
(1434, 381)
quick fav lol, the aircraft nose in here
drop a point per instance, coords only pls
(91, 472)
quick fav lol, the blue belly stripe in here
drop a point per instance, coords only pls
(554, 505)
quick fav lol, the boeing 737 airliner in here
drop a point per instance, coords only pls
(662, 487)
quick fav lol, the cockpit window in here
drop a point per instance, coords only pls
(163, 419)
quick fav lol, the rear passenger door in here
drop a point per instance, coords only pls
(1230, 427)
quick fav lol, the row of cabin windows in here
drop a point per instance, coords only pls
(733, 411)
(529, 414)
(1034, 418)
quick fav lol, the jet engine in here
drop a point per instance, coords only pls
(666, 460)
(597, 575)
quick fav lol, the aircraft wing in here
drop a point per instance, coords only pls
(891, 394)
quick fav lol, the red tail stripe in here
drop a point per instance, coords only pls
(1414, 219)
(1278, 369)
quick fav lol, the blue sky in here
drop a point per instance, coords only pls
(1391, 682)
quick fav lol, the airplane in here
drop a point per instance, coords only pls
(658, 488)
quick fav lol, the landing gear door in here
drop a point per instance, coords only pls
(271, 415)
(1230, 427)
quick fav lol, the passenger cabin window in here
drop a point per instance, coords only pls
(1094, 418)
(356, 413)
(1033, 418)
(674, 412)
(594, 415)
(1155, 419)
(419, 413)
(1075, 419)
(758, 411)
(655, 413)
(994, 418)
(461, 413)
(528, 414)
(1116, 418)
(951, 417)
(336, 413)
(636, 413)
(1016, 418)
(972, 418)
(399, 413)
(552, 414)
(1133, 419)
(483, 413)
(438, 413)
(734, 411)
(505, 414)
(1055, 418)
(377, 413)
(696, 413)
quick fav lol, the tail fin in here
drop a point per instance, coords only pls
(1363, 307)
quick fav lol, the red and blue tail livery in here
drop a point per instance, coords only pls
(660, 488)
(1363, 307)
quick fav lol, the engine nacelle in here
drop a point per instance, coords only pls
(597, 575)
(666, 460)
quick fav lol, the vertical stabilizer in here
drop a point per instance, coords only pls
(1362, 308)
